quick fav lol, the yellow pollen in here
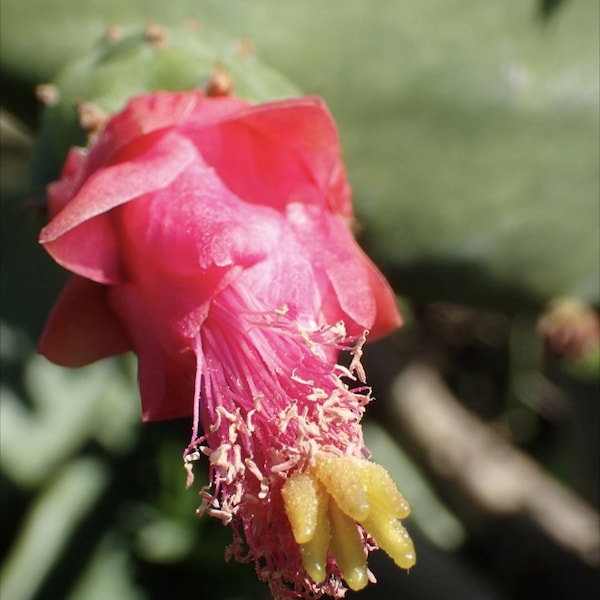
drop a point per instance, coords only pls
(324, 506)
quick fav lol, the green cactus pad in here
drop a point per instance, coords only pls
(130, 61)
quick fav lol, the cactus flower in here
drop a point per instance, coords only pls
(212, 237)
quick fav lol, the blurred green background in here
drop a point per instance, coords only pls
(470, 132)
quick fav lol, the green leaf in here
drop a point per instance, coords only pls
(49, 525)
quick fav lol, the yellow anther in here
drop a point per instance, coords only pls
(314, 552)
(341, 477)
(300, 498)
(347, 547)
(391, 537)
(382, 491)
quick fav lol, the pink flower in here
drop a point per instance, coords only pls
(212, 238)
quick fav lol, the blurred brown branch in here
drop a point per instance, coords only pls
(498, 477)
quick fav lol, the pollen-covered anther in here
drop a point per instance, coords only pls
(325, 505)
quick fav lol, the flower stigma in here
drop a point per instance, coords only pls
(333, 504)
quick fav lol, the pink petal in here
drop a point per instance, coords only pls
(82, 328)
(165, 373)
(387, 315)
(82, 237)
(277, 153)
(72, 176)
(360, 294)
(285, 278)
(176, 305)
(363, 293)
(196, 223)
(306, 125)
(157, 111)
